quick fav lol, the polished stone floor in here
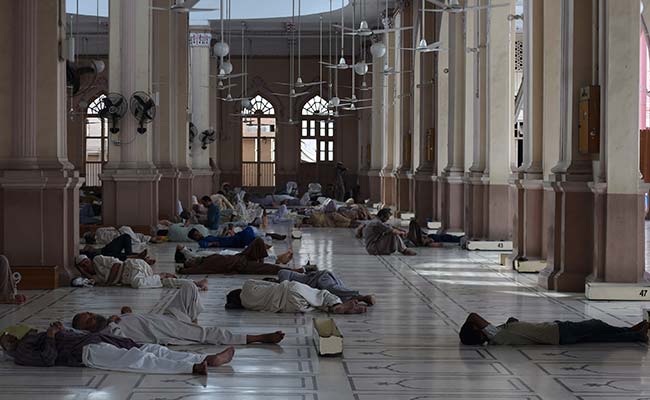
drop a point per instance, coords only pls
(405, 348)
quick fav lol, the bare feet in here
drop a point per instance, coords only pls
(349, 307)
(284, 258)
(200, 369)
(202, 284)
(639, 326)
(150, 261)
(143, 254)
(269, 338)
(409, 252)
(222, 358)
(368, 299)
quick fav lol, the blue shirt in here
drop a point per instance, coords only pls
(213, 217)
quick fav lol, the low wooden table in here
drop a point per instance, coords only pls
(37, 277)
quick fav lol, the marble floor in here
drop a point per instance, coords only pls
(404, 348)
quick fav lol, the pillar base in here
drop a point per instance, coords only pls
(424, 195)
(374, 185)
(475, 212)
(42, 205)
(185, 178)
(452, 201)
(527, 204)
(130, 197)
(168, 193)
(388, 188)
(202, 183)
(530, 266)
(404, 186)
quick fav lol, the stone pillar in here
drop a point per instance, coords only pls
(180, 103)
(425, 191)
(388, 147)
(404, 128)
(452, 177)
(476, 213)
(379, 110)
(619, 254)
(527, 189)
(130, 179)
(568, 200)
(442, 115)
(200, 92)
(165, 141)
(39, 189)
(215, 112)
(500, 123)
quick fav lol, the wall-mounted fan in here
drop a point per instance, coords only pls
(143, 109)
(113, 108)
(208, 136)
(193, 133)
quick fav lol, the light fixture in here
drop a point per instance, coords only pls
(363, 25)
(342, 64)
(422, 45)
(99, 66)
(226, 67)
(299, 81)
(246, 104)
(221, 49)
(335, 101)
(361, 68)
(378, 50)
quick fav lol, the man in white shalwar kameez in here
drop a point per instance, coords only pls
(176, 327)
(288, 297)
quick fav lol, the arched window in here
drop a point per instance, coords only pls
(258, 144)
(96, 146)
(317, 134)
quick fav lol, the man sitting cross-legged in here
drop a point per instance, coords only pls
(288, 297)
(381, 238)
(249, 261)
(134, 272)
(477, 330)
(324, 280)
(59, 346)
(177, 326)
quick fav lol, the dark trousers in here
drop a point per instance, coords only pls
(594, 330)
(120, 247)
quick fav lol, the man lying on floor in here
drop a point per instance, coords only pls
(178, 326)
(289, 297)
(134, 272)
(232, 240)
(417, 239)
(121, 247)
(59, 346)
(249, 261)
(477, 330)
(323, 280)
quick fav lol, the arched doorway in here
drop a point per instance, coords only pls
(95, 142)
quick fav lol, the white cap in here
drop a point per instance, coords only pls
(80, 258)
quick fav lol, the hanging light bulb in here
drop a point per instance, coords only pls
(246, 104)
(342, 64)
(299, 81)
(361, 68)
(335, 101)
(454, 3)
(221, 49)
(226, 67)
(378, 50)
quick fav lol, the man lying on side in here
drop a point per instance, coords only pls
(324, 280)
(58, 346)
(477, 330)
(177, 326)
(288, 297)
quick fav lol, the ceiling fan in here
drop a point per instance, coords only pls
(186, 6)
(454, 6)
(342, 64)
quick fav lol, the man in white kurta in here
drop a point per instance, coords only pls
(288, 297)
(134, 272)
(176, 327)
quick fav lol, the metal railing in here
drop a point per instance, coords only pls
(93, 170)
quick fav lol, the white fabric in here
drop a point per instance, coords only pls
(149, 358)
(175, 327)
(103, 265)
(284, 297)
(178, 232)
(80, 258)
(138, 274)
(105, 235)
(491, 331)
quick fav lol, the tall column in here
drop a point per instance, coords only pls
(379, 109)
(180, 106)
(500, 123)
(452, 182)
(425, 192)
(165, 141)
(39, 189)
(568, 200)
(442, 115)
(527, 188)
(619, 254)
(130, 179)
(404, 131)
(476, 213)
(391, 102)
(200, 81)
(215, 112)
